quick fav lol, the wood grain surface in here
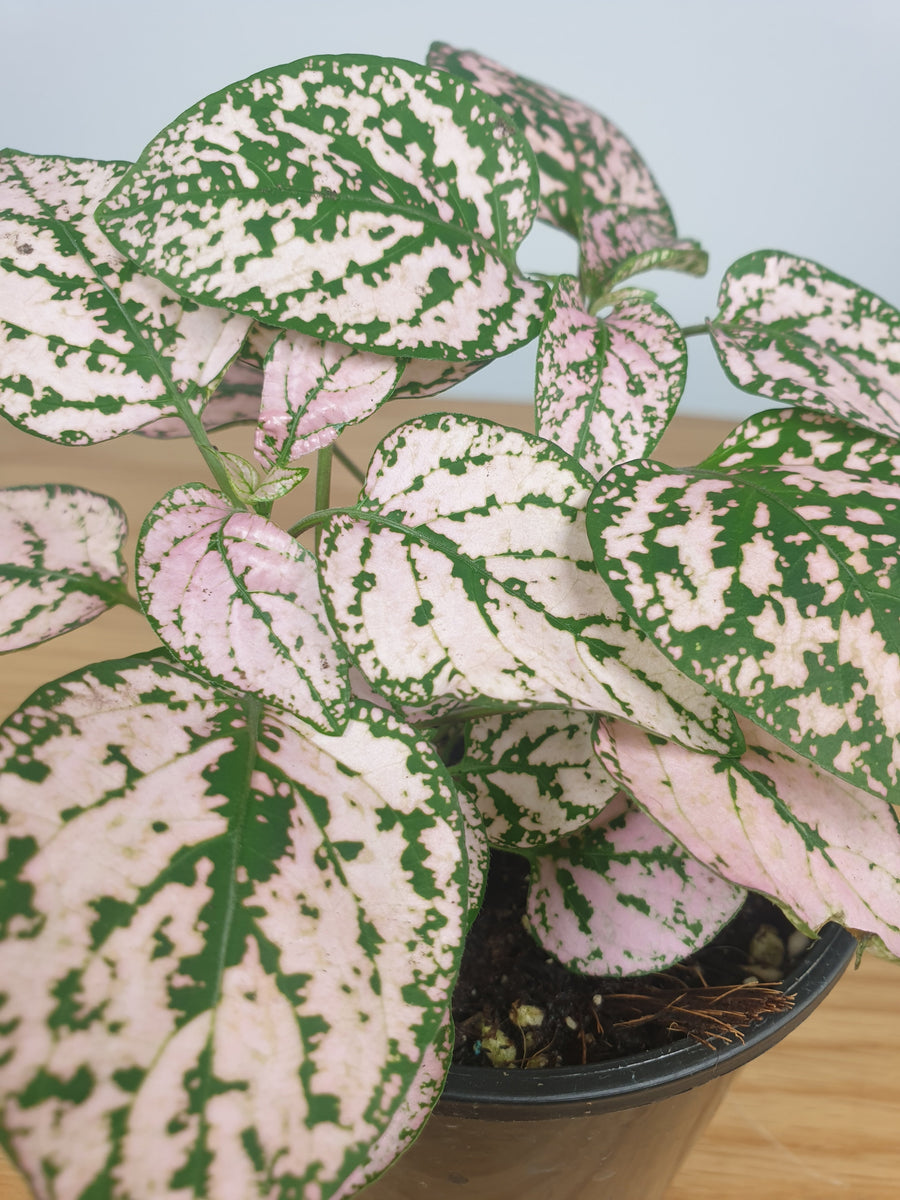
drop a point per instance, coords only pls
(814, 1118)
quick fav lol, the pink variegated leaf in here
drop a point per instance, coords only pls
(356, 199)
(622, 897)
(61, 561)
(465, 572)
(593, 183)
(234, 402)
(409, 1119)
(90, 348)
(419, 377)
(237, 598)
(776, 588)
(533, 775)
(227, 943)
(607, 389)
(772, 822)
(798, 438)
(793, 331)
(311, 390)
(617, 243)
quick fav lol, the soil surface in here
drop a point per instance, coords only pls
(516, 1006)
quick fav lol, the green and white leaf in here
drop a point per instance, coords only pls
(465, 572)
(235, 401)
(61, 561)
(778, 590)
(311, 390)
(89, 348)
(773, 822)
(237, 599)
(534, 775)
(621, 897)
(607, 389)
(796, 437)
(793, 331)
(593, 183)
(355, 199)
(229, 942)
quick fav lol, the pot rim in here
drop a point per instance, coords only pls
(652, 1074)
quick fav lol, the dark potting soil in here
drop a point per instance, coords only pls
(517, 1006)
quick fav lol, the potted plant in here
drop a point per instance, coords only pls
(238, 871)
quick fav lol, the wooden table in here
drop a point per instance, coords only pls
(818, 1116)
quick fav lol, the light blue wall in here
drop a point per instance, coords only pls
(768, 123)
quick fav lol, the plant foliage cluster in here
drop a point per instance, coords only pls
(236, 873)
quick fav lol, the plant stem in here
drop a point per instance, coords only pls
(348, 464)
(694, 330)
(324, 459)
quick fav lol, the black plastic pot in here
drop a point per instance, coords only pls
(616, 1131)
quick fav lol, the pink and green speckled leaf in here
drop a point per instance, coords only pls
(593, 183)
(622, 897)
(533, 775)
(793, 331)
(61, 561)
(311, 390)
(409, 1119)
(465, 572)
(254, 949)
(607, 388)
(363, 200)
(237, 598)
(90, 348)
(772, 822)
(776, 588)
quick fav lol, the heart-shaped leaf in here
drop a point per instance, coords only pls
(777, 589)
(312, 390)
(791, 330)
(91, 349)
(237, 598)
(772, 822)
(593, 183)
(356, 199)
(607, 389)
(534, 775)
(235, 401)
(61, 561)
(229, 941)
(621, 897)
(465, 571)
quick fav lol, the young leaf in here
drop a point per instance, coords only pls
(593, 183)
(235, 401)
(253, 950)
(91, 349)
(772, 822)
(621, 897)
(61, 561)
(777, 590)
(607, 389)
(465, 572)
(237, 598)
(355, 199)
(311, 390)
(534, 775)
(791, 330)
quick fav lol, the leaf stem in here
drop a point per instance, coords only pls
(348, 464)
(694, 330)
